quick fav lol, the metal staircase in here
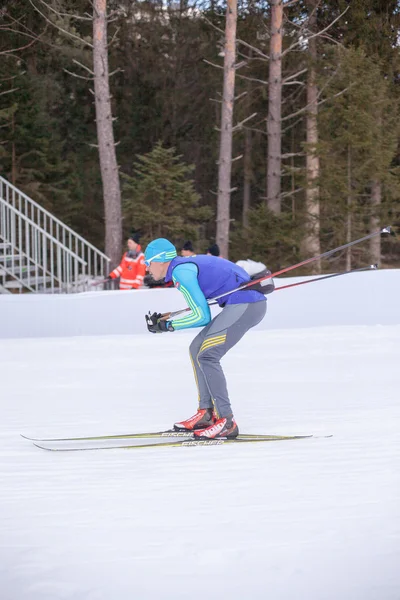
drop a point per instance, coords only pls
(38, 253)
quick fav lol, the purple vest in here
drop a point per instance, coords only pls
(216, 276)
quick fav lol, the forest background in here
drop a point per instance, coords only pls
(314, 158)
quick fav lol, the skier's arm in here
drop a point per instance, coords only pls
(185, 279)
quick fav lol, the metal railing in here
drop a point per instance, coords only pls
(40, 253)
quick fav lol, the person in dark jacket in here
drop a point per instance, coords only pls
(187, 249)
(213, 250)
(201, 278)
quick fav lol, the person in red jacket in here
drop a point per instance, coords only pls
(132, 268)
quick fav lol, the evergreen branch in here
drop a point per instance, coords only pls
(112, 19)
(113, 37)
(18, 23)
(83, 66)
(290, 3)
(242, 63)
(21, 47)
(238, 40)
(290, 154)
(294, 83)
(289, 77)
(294, 96)
(292, 125)
(291, 193)
(240, 125)
(12, 77)
(213, 64)
(332, 39)
(252, 79)
(118, 70)
(78, 76)
(60, 14)
(240, 96)
(31, 34)
(313, 35)
(76, 37)
(94, 8)
(256, 130)
(305, 108)
(257, 50)
(9, 91)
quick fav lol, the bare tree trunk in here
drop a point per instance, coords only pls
(247, 177)
(349, 208)
(311, 243)
(247, 167)
(292, 179)
(225, 151)
(375, 243)
(274, 124)
(105, 135)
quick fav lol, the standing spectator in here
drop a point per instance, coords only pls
(132, 268)
(187, 249)
(213, 250)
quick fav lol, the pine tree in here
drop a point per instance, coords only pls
(358, 143)
(160, 200)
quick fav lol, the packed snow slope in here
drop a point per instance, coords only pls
(315, 519)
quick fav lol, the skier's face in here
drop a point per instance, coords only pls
(158, 270)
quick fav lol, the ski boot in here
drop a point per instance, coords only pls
(222, 428)
(202, 419)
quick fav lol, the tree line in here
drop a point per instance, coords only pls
(269, 127)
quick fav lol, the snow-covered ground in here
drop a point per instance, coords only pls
(315, 519)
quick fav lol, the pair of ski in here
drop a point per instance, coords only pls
(160, 439)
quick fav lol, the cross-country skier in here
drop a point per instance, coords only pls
(199, 278)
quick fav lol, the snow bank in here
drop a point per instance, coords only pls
(369, 298)
(314, 519)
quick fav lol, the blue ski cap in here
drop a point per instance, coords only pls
(159, 250)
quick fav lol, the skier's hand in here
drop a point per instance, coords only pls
(156, 324)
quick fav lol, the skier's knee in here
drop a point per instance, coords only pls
(206, 357)
(193, 349)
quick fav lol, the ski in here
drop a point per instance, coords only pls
(173, 443)
(150, 434)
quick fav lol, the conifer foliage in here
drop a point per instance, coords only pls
(166, 69)
(160, 199)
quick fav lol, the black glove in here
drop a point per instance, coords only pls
(156, 325)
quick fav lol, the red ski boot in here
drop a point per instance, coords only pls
(223, 428)
(202, 419)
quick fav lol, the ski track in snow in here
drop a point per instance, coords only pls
(314, 519)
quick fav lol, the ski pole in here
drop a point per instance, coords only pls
(282, 287)
(304, 262)
(96, 283)
(291, 268)
(285, 287)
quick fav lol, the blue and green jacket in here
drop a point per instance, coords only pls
(202, 277)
